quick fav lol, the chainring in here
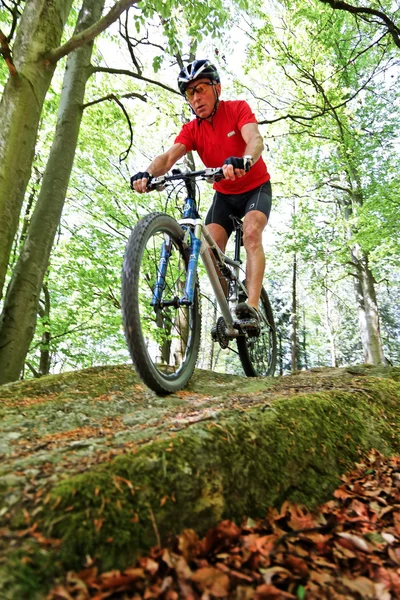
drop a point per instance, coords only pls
(218, 333)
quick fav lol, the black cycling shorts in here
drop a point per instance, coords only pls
(239, 205)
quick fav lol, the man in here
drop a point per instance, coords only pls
(224, 133)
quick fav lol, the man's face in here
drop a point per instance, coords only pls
(203, 99)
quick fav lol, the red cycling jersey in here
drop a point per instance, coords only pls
(216, 141)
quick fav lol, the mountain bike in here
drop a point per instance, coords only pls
(161, 296)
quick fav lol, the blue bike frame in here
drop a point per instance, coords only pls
(199, 240)
(193, 240)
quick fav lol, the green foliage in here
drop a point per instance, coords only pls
(329, 93)
(157, 61)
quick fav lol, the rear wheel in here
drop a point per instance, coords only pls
(258, 354)
(163, 339)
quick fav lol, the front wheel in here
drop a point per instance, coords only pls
(258, 354)
(163, 338)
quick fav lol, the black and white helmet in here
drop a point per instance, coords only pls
(195, 70)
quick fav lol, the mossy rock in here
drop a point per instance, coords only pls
(263, 442)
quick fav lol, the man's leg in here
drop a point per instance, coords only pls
(219, 234)
(253, 226)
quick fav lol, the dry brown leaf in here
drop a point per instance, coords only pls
(355, 541)
(363, 586)
(212, 580)
(270, 592)
(188, 544)
(59, 593)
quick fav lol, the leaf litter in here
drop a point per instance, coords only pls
(349, 548)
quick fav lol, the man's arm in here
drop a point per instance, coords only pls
(160, 165)
(252, 137)
(254, 148)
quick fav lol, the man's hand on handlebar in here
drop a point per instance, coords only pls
(145, 182)
(236, 166)
(141, 181)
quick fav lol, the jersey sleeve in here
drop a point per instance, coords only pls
(244, 114)
(185, 137)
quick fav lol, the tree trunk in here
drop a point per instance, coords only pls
(328, 321)
(304, 342)
(368, 316)
(18, 321)
(45, 357)
(280, 353)
(40, 31)
(364, 287)
(294, 315)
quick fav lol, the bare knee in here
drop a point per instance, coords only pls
(252, 239)
(253, 226)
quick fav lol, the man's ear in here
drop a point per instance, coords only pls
(218, 88)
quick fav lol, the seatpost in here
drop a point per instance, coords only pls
(238, 242)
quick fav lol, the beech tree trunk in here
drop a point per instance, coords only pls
(45, 355)
(367, 307)
(328, 320)
(39, 32)
(294, 315)
(364, 285)
(18, 320)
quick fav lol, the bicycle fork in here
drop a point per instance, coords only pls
(166, 251)
(197, 248)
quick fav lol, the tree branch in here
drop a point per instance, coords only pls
(336, 186)
(6, 54)
(16, 13)
(126, 37)
(113, 97)
(35, 373)
(91, 32)
(135, 76)
(392, 28)
(124, 154)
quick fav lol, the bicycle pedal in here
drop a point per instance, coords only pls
(250, 326)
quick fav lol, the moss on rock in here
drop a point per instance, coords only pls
(294, 448)
(144, 468)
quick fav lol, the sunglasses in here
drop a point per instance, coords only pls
(200, 89)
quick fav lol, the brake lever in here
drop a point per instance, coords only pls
(213, 175)
(158, 183)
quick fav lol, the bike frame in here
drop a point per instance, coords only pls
(200, 241)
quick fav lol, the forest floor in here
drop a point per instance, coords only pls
(96, 470)
(347, 548)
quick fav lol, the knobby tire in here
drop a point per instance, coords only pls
(258, 354)
(152, 334)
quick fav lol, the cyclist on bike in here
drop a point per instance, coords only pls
(224, 133)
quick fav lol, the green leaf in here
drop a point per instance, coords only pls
(301, 592)
(157, 61)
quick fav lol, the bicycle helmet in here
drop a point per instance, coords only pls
(195, 70)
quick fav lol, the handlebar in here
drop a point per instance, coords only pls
(209, 174)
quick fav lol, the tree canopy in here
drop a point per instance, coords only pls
(323, 80)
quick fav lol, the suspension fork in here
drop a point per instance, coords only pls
(195, 245)
(194, 234)
(162, 270)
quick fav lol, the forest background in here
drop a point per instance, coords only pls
(89, 97)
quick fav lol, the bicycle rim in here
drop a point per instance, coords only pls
(258, 354)
(163, 340)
